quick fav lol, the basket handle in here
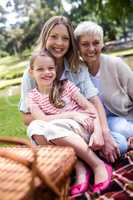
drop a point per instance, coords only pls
(17, 141)
(12, 156)
(32, 165)
(14, 140)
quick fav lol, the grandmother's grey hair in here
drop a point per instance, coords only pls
(88, 27)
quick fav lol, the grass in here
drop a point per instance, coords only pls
(6, 83)
(11, 70)
(126, 52)
(10, 119)
(12, 66)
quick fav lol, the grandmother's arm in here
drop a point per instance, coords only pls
(110, 150)
(125, 75)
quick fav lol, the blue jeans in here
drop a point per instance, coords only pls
(121, 129)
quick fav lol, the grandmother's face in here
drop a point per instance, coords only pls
(90, 46)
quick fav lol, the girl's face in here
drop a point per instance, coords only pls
(44, 71)
(90, 47)
(58, 41)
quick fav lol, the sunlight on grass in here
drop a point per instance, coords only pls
(10, 74)
(14, 66)
(8, 60)
(10, 119)
(7, 83)
(123, 52)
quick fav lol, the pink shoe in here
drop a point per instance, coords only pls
(81, 187)
(100, 187)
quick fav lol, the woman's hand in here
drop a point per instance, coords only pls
(110, 150)
(96, 141)
(85, 120)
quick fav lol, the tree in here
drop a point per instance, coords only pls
(31, 15)
(115, 16)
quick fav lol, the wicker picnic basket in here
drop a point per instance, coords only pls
(34, 173)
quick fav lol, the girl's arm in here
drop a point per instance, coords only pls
(37, 113)
(27, 118)
(96, 140)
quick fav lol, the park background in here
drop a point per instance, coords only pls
(20, 24)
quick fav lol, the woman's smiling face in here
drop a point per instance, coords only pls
(90, 47)
(58, 41)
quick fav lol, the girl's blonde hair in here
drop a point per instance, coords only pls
(72, 54)
(57, 87)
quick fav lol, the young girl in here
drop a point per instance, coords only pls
(62, 99)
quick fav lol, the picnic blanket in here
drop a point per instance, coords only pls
(121, 187)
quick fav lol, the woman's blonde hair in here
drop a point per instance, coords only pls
(57, 87)
(72, 54)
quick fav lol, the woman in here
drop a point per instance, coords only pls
(112, 77)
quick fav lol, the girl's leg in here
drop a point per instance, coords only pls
(86, 154)
(82, 178)
(73, 140)
(81, 171)
(39, 139)
(40, 132)
(35, 132)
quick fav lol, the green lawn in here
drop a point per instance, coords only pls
(10, 119)
(11, 69)
(126, 52)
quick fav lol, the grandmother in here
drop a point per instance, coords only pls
(112, 77)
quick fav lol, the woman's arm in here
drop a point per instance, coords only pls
(110, 149)
(27, 84)
(97, 141)
(125, 76)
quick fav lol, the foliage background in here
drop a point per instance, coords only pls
(116, 17)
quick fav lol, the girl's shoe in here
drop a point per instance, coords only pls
(81, 187)
(100, 187)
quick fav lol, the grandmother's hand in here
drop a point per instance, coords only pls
(110, 150)
(96, 141)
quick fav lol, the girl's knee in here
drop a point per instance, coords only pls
(37, 128)
(39, 139)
